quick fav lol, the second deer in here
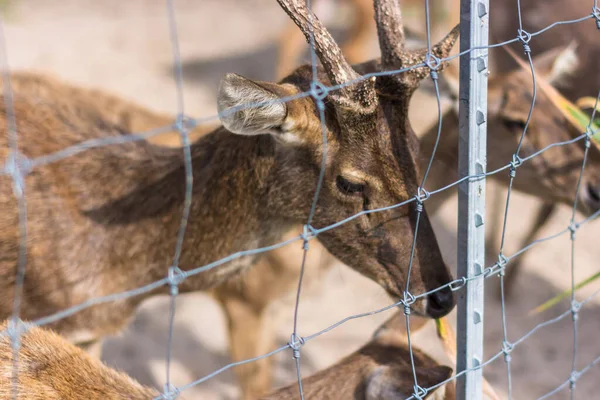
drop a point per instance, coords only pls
(51, 368)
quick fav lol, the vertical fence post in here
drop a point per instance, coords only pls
(471, 195)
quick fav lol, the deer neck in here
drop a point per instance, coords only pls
(234, 179)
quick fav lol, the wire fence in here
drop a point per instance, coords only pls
(18, 166)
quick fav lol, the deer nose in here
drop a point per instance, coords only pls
(440, 303)
(593, 196)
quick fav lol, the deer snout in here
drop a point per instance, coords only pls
(440, 303)
(590, 195)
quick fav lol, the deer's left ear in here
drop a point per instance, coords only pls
(247, 107)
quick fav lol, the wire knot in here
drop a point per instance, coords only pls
(502, 261)
(575, 307)
(514, 164)
(524, 37)
(308, 232)
(596, 14)
(296, 342)
(174, 278)
(589, 132)
(422, 195)
(318, 91)
(18, 166)
(507, 348)
(573, 226)
(184, 124)
(573, 379)
(458, 283)
(432, 62)
(419, 392)
(170, 392)
(409, 299)
(14, 330)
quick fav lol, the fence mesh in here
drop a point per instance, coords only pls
(18, 166)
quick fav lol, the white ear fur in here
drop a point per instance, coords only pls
(237, 91)
(564, 66)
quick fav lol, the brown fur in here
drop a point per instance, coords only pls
(49, 367)
(551, 176)
(105, 220)
(538, 15)
(381, 370)
(246, 298)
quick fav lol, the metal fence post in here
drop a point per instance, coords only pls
(471, 195)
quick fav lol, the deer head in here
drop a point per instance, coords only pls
(554, 174)
(370, 154)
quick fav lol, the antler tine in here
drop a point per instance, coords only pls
(390, 31)
(337, 68)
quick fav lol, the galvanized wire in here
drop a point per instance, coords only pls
(17, 166)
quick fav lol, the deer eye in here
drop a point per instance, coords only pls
(514, 124)
(348, 187)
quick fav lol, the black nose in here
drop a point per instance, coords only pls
(593, 195)
(440, 303)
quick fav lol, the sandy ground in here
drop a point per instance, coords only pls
(124, 47)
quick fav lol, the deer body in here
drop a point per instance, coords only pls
(50, 367)
(122, 235)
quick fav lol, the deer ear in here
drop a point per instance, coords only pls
(557, 65)
(431, 376)
(388, 383)
(248, 107)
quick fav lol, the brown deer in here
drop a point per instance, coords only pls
(105, 220)
(585, 82)
(504, 26)
(50, 367)
(381, 369)
(551, 176)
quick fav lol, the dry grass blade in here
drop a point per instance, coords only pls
(563, 295)
(446, 334)
(570, 111)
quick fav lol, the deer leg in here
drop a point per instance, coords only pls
(543, 215)
(249, 336)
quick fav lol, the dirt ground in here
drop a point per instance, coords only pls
(124, 47)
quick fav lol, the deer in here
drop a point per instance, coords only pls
(105, 220)
(51, 367)
(551, 176)
(585, 82)
(504, 25)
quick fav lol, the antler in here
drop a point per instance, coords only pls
(390, 31)
(337, 68)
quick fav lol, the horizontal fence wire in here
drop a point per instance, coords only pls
(17, 167)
